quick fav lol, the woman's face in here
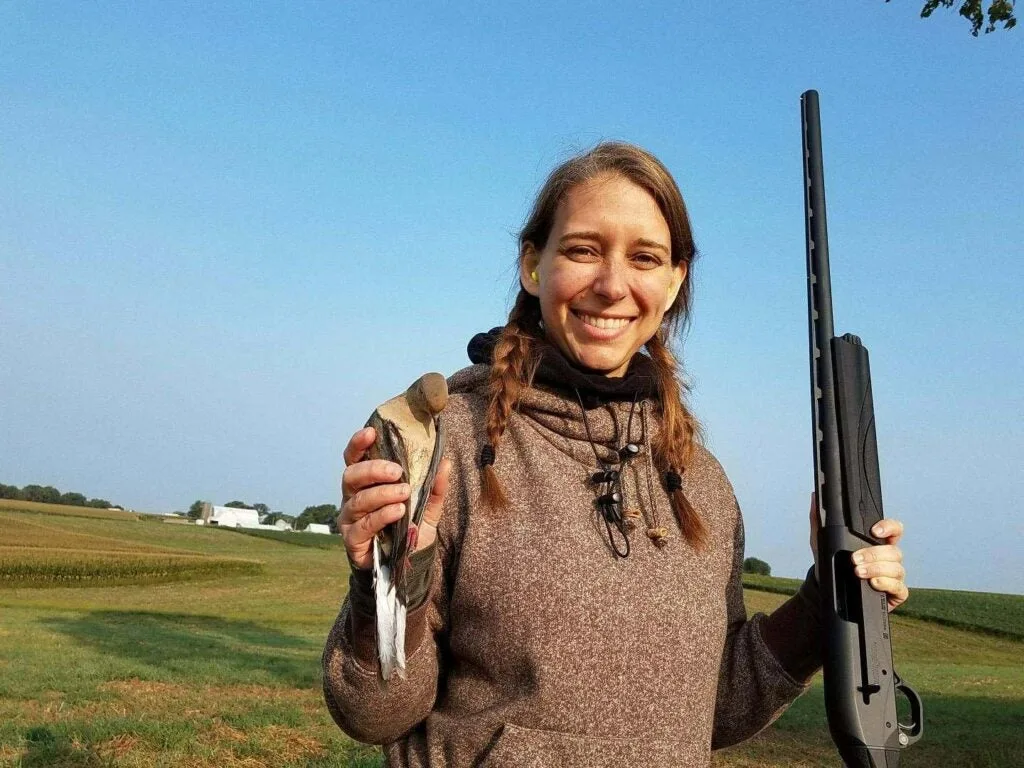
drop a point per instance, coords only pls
(605, 277)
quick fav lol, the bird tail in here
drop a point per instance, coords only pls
(390, 616)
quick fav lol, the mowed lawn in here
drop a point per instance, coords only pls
(224, 671)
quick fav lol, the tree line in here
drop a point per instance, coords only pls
(47, 494)
(319, 513)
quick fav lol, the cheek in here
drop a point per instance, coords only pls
(652, 297)
(561, 289)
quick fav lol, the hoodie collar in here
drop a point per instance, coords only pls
(557, 373)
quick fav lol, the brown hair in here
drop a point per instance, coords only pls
(516, 353)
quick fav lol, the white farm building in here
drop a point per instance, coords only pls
(232, 517)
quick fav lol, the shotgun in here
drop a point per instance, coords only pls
(860, 682)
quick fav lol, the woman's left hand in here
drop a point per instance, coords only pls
(882, 564)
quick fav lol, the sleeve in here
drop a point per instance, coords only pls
(361, 704)
(767, 661)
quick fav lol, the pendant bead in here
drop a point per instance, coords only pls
(629, 451)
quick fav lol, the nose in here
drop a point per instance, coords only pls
(612, 280)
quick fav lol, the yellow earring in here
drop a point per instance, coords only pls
(533, 276)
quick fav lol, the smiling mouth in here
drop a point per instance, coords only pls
(608, 323)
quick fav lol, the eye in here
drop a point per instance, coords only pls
(647, 260)
(580, 253)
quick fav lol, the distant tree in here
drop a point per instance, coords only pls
(44, 493)
(261, 508)
(999, 11)
(196, 510)
(73, 499)
(239, 505)
(754, 565)
(323, 513)
(99, 503)
(10, 492)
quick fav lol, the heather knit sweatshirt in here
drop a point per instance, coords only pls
(536, 645)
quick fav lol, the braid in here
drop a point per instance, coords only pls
(514, 364)
(680, 433)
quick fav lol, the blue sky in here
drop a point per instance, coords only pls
(227, 232)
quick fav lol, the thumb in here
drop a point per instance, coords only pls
(435, 503)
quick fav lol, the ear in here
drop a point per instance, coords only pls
(529, 260)
(678, 276)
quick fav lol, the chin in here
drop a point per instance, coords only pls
(601, 363)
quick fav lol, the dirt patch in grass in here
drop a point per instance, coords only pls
(156, 697)
(117, 747)
(290, 743)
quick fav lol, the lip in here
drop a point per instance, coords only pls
(601, 334)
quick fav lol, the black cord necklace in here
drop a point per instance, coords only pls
(608, 479)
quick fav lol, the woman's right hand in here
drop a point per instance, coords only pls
(372, 497)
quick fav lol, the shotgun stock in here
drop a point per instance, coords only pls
(860, 682)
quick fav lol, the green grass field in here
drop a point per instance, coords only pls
(225, 671)
(1001, 615)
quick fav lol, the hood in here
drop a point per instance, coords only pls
(552, 402)
(557, 373)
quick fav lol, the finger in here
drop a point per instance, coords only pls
(813, 515)
(435, 503)
(371, 499)
(898, 599)
(366, 527)
(888, 570)
(895, 589)
(883, 552)
(367, 473)
(889, 530)
(359, 445)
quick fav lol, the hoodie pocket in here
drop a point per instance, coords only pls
(530, 748)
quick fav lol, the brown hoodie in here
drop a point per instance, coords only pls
(537, 646)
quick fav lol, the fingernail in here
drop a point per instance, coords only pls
(878, 530)
(858, 557)
(394, 471)
(862, 571)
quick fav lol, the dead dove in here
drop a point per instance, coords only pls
(409, 433)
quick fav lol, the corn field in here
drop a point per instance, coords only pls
(66, 510)
(24, 567)
(35, 554)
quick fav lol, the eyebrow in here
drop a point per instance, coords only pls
(652, 244)
(597, 236)
(580, 236)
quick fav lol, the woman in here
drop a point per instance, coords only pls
(576, 584)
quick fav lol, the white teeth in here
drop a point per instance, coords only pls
(604, 322)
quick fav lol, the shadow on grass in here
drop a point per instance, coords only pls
(70, 747)
(67, 747)
(962, 731)
(44, 748)
(196, 648)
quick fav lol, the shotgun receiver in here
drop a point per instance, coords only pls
(860, 683)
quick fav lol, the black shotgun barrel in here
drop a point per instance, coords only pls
(860, 682)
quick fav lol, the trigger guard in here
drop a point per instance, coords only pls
(915, 728)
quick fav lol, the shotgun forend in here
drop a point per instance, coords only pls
(860, 682)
